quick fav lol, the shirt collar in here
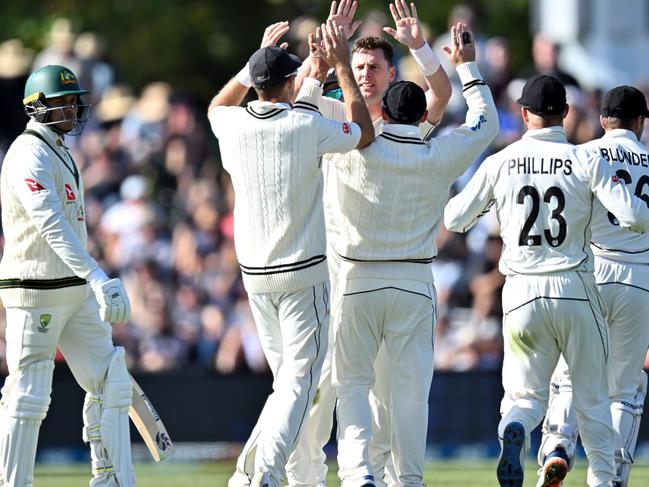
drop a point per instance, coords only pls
(50, 135)
(550, 134)
(627, 134)
(266, 106)
(402, 130)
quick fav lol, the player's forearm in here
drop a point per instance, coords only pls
(439, 87)
(465, 209)
(482, 115)
(232, 94)
(355, 106)
(456, 214)
(303, 72)
(438, 95)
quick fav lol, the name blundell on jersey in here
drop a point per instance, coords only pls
(617, 154)
(539, 165)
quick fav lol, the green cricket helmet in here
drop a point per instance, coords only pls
(52, 82)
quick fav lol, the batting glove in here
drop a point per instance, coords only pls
(114, 305)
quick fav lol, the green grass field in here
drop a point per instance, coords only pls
(460, 473)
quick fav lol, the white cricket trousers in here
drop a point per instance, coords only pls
(293, 330)
(625, 291)
(624, 288)
(545, 316)
(32, 336)
(401, 315)
(307, 466)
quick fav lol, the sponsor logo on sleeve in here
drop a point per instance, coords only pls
(478, 123)
(69, 193)
(34, 186)
(346, 128)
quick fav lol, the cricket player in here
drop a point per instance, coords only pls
(273, 154)
(373, 66)
(622, 278)
(55, 294)
(391, 196)
(543, 188)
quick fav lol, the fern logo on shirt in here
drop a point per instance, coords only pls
(44, 322)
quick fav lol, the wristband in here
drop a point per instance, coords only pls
(426, 59)
(243, 77)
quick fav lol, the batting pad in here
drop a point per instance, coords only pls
(115, 434)
(25, 401)
(626, 417)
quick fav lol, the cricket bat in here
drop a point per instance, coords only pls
(148, 423)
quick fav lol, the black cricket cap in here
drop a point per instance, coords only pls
(330, 80)
(543, 95)
(404, 102)
(624, 102)
(270, 66)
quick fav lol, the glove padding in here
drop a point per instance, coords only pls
(114, 305)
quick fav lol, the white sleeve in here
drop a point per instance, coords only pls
(630, 211)
(337, 137)
(310, 98)
(218, 119)
(463, 210)
(461, 146)
(33, 184)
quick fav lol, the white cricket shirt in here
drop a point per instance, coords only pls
(391, 194)
(272, 153)
(543, 189)
(630, 160)
(45, 258)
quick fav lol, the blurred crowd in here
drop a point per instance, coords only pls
(159, 206)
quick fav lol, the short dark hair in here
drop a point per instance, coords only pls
(619, 123)
(549, 120)
(271, 92)
(371, 43)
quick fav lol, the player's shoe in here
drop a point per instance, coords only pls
(554, 470)
(512, 456)
(369, 481)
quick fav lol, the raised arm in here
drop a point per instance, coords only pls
(233, 93)
(410, 33)
(462, 145)
(335, 51)
(463, 210)
(343, 15)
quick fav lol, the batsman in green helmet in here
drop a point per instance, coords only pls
(53, 97)
(55, 294)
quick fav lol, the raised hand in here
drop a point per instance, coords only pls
(408, 27)
(343, 15)
(462, 48)
(319, 65)
(273, 33)
(333, 47)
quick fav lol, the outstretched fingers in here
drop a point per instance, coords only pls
(274, 32)
(413, 8)
(402, 7)
(333, 9)
(395, 13)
